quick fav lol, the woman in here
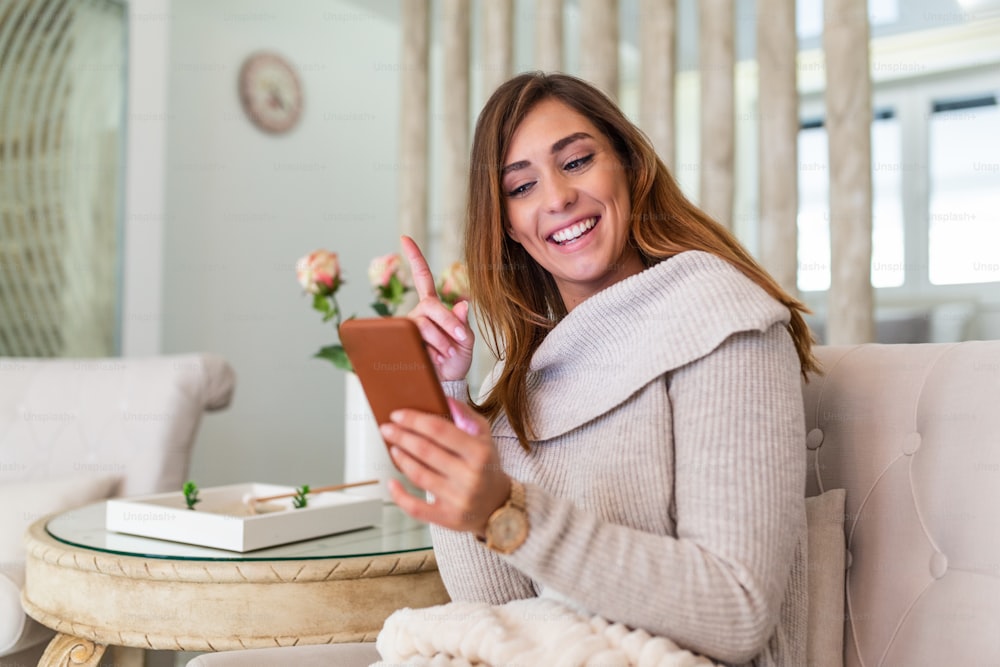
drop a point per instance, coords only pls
(637, 451)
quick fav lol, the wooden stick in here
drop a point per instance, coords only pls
(322, 489)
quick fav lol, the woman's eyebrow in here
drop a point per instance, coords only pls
(556, 147)
(566, 141)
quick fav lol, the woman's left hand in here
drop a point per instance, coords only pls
(453, 460)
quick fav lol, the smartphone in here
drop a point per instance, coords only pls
(390, 359)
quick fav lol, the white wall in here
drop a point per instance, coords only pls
(242, 206)
(145, 159)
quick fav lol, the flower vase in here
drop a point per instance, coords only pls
(365, 454)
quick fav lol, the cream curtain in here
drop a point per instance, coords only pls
(848, 121)
(599, 44)
(455, 103)
(414, 100)
(498, 44)
(848, 99)
(658, 45)
(717, 62)
(549, 35)
(778, 124)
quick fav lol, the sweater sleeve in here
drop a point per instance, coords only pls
(472, 573)
(717, 586)
(456, 389)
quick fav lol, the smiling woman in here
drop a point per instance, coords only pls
(645, 417)
(636, 456)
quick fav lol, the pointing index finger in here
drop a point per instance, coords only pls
(423, 279)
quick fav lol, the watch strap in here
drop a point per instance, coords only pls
(518, 496)
(498, 526)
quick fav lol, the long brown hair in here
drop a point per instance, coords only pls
(514, 297)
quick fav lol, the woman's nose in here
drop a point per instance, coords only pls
(559, 193)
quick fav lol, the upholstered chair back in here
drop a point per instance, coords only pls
(134, 419)
(912, 432)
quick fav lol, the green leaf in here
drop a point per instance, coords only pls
(327, 306)
(190, 491)
(301, 500)
(335, 354)
(396, 290)
(320, 303)
(381, 309)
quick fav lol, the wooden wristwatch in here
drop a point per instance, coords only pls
(507, 527)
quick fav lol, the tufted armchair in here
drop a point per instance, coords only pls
(78, 430)
(912, 434)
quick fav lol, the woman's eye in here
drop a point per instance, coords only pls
(579, 162)
(520, 189)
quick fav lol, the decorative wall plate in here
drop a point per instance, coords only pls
(270, 92)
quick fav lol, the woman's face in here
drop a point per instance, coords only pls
(568, 202)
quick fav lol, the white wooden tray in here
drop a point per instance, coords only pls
(222, 519)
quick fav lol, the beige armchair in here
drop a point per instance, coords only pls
(74, 431)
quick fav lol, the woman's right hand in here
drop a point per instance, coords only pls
(445, 331)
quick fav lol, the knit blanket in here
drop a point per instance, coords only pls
(535, 631)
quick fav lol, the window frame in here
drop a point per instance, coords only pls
(912, 101)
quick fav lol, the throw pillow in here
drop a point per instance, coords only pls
(825, 575)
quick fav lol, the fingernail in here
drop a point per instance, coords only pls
(396, 416)
(466, 425)
(451, 352)
(460, 333)
(385, 430)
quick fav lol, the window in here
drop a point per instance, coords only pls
(887, 269)
(809, 16)
(964, 208)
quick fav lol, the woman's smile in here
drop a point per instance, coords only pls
(574, 232)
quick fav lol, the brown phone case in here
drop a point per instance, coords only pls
(390, 359)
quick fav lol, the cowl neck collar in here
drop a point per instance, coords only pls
(625, 336)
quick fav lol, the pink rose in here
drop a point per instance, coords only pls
(382, 269)
(319, 272)
(454, 286)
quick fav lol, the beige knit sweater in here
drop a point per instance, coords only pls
(665, 487)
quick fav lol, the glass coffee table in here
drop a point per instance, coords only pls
(99, 589)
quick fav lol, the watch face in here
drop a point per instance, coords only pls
(508, 529)
(270, 92)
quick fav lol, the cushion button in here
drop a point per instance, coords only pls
(911, 443)
(939, 565)
(814, 439)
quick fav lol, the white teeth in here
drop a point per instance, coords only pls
(574, 231)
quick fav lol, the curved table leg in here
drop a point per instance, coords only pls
(70, 651)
